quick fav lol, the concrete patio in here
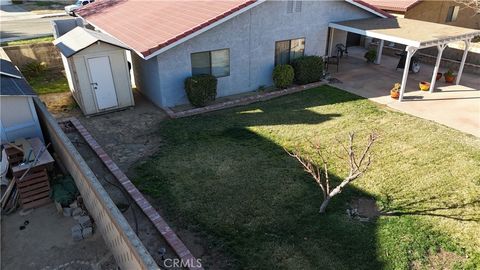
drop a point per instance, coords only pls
(456, 106)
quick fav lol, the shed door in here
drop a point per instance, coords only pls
(102, 82)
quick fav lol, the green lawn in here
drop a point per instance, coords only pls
(226, 176)
(48, 82)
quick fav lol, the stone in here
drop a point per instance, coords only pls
(74, 205)
(77, 232)
(77, 212)
(85, 221)
(67, 212)
(87, 232)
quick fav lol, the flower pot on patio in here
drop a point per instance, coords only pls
(439, 75)
(449, 76)
(395, 91)
(424, 86)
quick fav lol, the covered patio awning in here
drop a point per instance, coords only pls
(415, 35)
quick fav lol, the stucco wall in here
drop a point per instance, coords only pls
(437, 11)
(251, 39)
(147, 78)
(120, 73)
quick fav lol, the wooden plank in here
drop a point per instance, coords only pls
(36, 197)
(33, 192)
(33, 187)
(33, 181)
(36, 203)
(34, 174)
(7, 192)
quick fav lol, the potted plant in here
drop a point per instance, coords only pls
(395, 91)
(449, 76)
(424, 86)
(370, 55)
(439, 75)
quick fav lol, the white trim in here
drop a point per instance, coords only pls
(366, 8)
(367, 33)
(10, 75)
(206, 28)
(192, 35)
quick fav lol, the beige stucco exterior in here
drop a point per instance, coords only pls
(437, 11)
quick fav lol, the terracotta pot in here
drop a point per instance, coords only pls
(449, 78)
(424, 86)
(439, 75)
(394, 94)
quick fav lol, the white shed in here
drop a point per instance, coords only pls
(99, 76)
(17, 111)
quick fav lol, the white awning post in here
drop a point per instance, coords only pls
(410, 51)
(440, 49)
(330, 49)
(379, 52)
(464, 58)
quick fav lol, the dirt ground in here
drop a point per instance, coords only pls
(46, 243)
(128, 137)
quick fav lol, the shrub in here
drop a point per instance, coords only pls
(370, 55)
(201, 89)
(34, 68)
(308, 69)
(283, 76)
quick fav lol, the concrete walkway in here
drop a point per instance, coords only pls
(456, 106)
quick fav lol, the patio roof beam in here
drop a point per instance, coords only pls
(410, 52)
(440, 49)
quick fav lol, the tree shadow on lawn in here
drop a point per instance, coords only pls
(216, 177)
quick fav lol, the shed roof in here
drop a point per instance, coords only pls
(80, 38)
(12, 83)
(394, 5)
(419, 34)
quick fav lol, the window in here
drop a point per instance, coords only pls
(294, 6)
(216, 63)
(452, 13)
(288, 50)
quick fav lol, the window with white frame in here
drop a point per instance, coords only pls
(216, 63)
(288, 50)
(452, 13)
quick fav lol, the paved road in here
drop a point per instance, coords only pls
(28, 28)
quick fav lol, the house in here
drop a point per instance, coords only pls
(239, 42)
(18, 115)
(445, 11)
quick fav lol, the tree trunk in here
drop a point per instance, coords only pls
(324, 204)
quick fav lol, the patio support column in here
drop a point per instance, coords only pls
(440, 49)
(379, 52)
(330, 49)
(464, 58)
(410, 51)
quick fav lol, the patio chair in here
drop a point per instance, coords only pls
(333, 60)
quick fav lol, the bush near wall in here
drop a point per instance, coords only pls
(201, 89)
(283, 76)
(308, 69)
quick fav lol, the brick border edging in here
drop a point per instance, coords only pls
(242, 101)
(158, 221)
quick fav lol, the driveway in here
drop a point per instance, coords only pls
(16, 24)
(456, 106)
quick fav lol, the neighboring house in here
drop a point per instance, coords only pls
(18, 115)
(446, 12)
(239, 42)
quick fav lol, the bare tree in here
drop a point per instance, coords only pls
(357, 166)
(473, 4)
